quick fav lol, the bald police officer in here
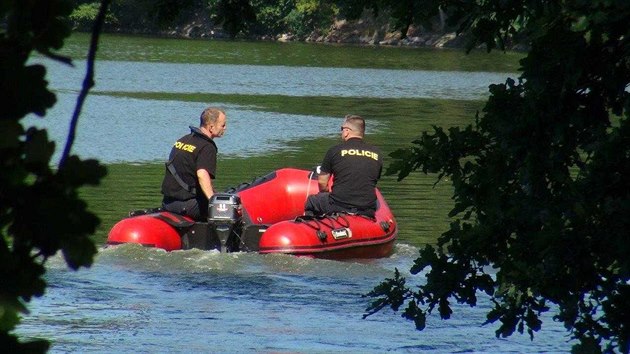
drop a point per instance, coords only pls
(191, 167)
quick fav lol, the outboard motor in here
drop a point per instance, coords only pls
(224, 216)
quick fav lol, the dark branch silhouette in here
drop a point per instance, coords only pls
(88, 81)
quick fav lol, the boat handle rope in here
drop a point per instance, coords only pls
(321, 235)
(333, 218)
(308, 185)
(307, 220)
(339, 216)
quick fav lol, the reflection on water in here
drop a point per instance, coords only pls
(114, 129)
(133, 130)
(136, 299)
(278, 80)
(147, 49)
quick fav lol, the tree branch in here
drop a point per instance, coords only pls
(88, 81)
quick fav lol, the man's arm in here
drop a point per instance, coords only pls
(205, 182)
(322, 180)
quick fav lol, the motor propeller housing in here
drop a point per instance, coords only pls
(224, 216)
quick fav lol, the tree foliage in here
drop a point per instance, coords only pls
(542, 199)
(238, 18)
(401, 13)
(134, 15)
(235, 16)
(297, 17)
(40, 211)
(272, 17)
(83, 16)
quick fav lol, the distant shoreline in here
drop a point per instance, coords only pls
(342, 36)
(365, 32)
(393, 39)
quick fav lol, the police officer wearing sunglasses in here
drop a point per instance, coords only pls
(348, 174)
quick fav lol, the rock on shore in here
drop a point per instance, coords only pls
(365, 31)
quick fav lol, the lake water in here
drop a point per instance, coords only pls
(138, 300)
(141, 300)
(122, 124)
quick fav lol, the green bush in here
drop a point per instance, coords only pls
(84, 15)
(311, 15)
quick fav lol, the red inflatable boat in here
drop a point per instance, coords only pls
(265, 216)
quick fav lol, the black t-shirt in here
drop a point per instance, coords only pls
(190, 153)
(356, 167)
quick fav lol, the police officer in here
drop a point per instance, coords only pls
(191, 167)
(355, 167)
